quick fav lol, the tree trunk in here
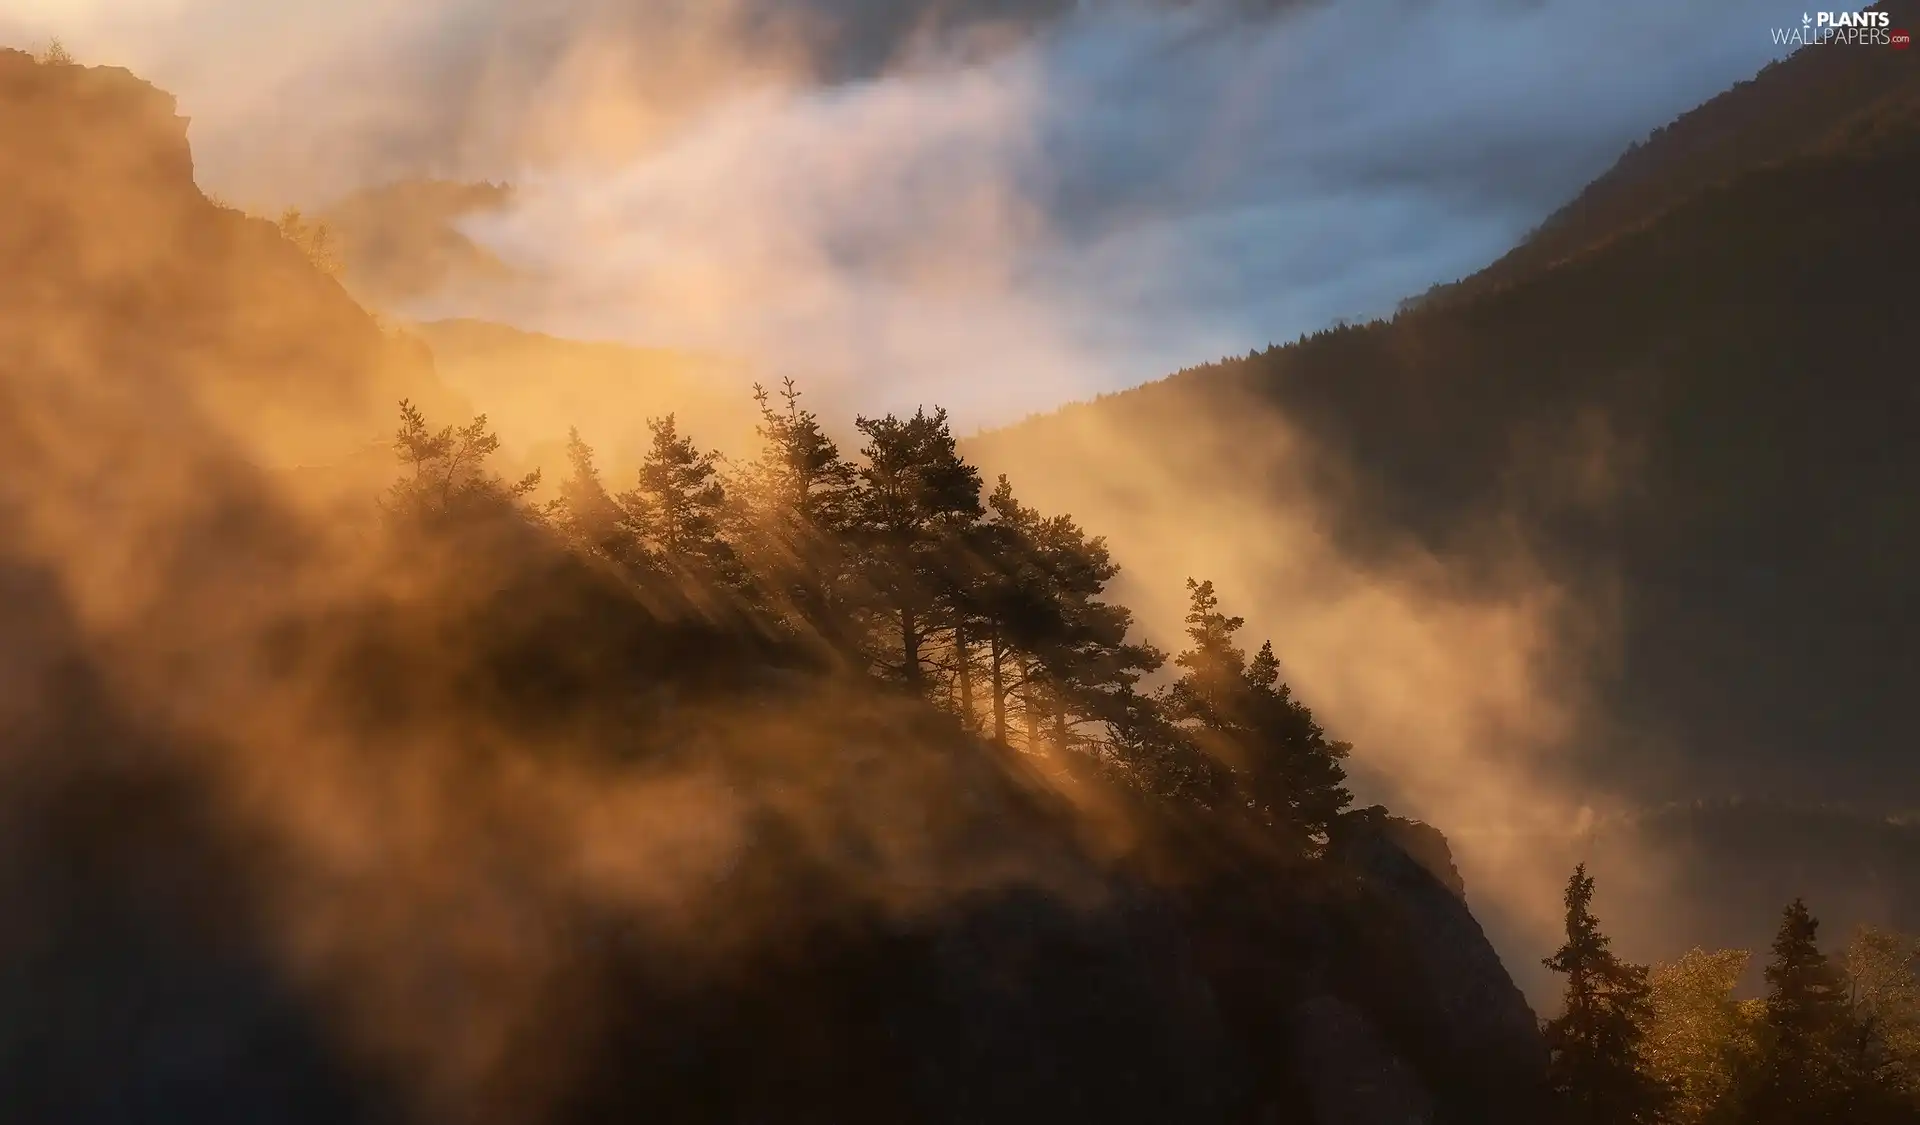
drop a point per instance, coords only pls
(999, 655)
(909, 646)
(1030, 705)
(964, 656)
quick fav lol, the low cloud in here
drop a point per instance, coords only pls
(1083, 196)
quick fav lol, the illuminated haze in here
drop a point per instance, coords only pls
(1077, 197)
(1002, 214)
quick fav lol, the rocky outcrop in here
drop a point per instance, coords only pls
(1496, 1056)
(121, 281)
(1352, 1074)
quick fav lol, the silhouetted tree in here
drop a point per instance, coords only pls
(1087, 667)
(1268, 755)
(1003, 602)
(799, 502)
(586, 511)
(675, 512)
(1291, 770)
(1822, 1060)
(1595, 1043)
(1803, 1024)
(447, 474)
(916, 500)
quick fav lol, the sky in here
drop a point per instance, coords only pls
(999, 205)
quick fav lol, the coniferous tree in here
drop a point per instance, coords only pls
(1292, 772)
(800, 473)
(1028, 599)
(799, 497)
(1267, 755)
(314, 239)
(675, 513)
(1820, 1062)
(1086, 664)
(586, 512)
(1004, 601)
(1806, 997)
(447, 471)
(1806, 1016)
(1595, 1043)
(1205, 703)
(917, 498)
(1212, 686)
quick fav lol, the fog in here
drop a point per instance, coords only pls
(999, 215)
(1081, 197)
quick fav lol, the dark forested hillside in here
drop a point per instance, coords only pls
(1701, 422)
(1790, 108)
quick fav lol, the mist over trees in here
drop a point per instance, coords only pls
(900, 565)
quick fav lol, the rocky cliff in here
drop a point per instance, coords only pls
(117, 272)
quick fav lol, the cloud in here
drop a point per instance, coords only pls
(1099, 195)
(1128, 189)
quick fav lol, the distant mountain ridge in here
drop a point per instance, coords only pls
(1694, 389)
(1793, 106)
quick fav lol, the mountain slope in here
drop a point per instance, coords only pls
(1701, 423)
(112, 259)
(1785, 110)
(422, 814)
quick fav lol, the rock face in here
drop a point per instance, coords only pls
(1499, 1058)
(118, 277)
(1352, 1073)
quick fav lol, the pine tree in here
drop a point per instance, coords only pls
(916, 502)
(1028, 597)
(1087, 666)
(800, 474)
(586, 512)
(1004, 601)
(447, 472)
(1595, 1043)
(674, 515)
(799, 497)
(1212, 688)
(1292, 769)
(1270, 758)
(1810, 1072)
